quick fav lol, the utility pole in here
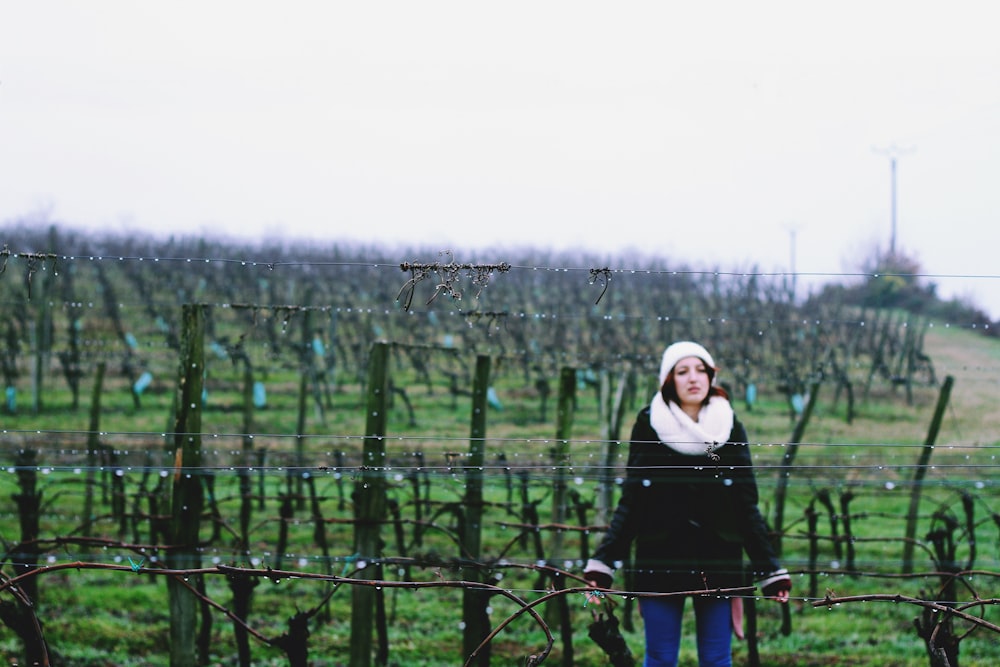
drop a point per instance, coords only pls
(792, 231)
(893, 154)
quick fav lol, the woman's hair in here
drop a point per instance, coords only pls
(669, 388)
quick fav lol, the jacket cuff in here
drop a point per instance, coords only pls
(777, 575)
(598, 566)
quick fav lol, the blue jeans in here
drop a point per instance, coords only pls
(662, 620)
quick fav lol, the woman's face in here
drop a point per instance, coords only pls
(692, 382)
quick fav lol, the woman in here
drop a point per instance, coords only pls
(690, 503)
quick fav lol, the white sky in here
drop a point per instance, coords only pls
(704, 132)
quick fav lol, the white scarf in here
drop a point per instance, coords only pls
(677, 430)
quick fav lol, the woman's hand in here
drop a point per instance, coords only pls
(596, 579)
(778, 586)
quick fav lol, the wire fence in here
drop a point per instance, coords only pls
(92, 363)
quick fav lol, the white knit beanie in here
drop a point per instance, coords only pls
(682, 350)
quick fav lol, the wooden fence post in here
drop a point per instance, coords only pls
(474, 601)
(187, 496)
(921, 472)
(305, 364)
(370, 503)
(560, 460)
(20, 616)
(878, 355)
(42, 331)
(93, 445)
(905, 366)
(791, 449)
(612, 408)
(247, 455)
(560, 452)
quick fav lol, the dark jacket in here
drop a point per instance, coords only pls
(691, 516)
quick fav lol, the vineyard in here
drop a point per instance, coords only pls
(228, 455)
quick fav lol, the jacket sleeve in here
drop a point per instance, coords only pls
(755, 533)
(624, 522)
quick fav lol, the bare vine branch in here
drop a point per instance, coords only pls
(604, 276)
(449, 274)
(944, 609)
(33, 261)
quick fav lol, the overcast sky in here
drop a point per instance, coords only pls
(706, 132)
